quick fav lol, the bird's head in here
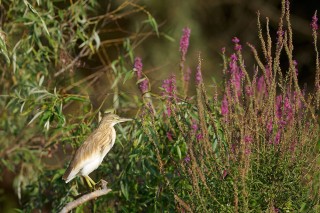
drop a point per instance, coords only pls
(113, 119)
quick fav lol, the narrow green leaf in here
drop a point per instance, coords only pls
(179, 152)
(41, 80)
(124, 190)
(35, 12)
(3, 47)
(153, 24)
(128, 75)
(97, 40)
(34, 117)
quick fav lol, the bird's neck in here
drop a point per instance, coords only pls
(106, 125)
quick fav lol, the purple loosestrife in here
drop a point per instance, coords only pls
(187, 159)
(184, 43)
(314, 22)
(279, 107)
(194, 130)
(288, 110)
(248, 139)
(169, 86)
(277, 137)
(169, 93)
(223, 50)
(261, 86)
(186, 80)
(138, 67)
(169, 136)
(187, 75)
(194, 126)
(269, 126)
(295, 64)
(144, 84)
(237, 46)
(224, 106)
(236, 74)
(198, 73)
(280, 34)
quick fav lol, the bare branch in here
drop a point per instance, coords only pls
(87, 197)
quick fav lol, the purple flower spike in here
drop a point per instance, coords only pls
(295, 63)
(199, 74)
(199, 136)
(184, 42)
(144, 85)
(277, 138)
(248, 139)
(235, 40)
(269, 126)
(169, 86)
(187, 75)
(237, 46)
(187, 159)
(224, 106)
(314, 22)
(194, 126)
(138, 67)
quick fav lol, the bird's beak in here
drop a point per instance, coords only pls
(124, 120)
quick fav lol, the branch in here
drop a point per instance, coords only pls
(87, 197)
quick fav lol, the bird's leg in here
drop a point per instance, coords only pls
(91, 181)
(87, 178)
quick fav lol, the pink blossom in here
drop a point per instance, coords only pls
(187, 159)
(194, 126)
(199, 136)
(223, 50)
(295, 64)
(277, 138)
(235, 40)
(269, 126)
(261, 86)
(279, 106)
(249, 91)
(224, 106)
(237, 46)
(314, 22)
(184, 42)
(248, 139)
(236, 74)
(138, 67)
(187, 74)
(169, 86)
(287, 108)
(144, 84)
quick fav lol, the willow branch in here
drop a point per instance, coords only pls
(87, 197)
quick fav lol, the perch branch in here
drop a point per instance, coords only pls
(87, 197)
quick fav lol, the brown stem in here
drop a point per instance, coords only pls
(87, 197)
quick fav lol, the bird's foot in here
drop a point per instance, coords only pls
(101, 184)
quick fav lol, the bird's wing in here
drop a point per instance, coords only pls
(92, 145)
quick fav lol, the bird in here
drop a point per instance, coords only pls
(91, 153)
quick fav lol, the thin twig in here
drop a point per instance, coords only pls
(87, 197)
